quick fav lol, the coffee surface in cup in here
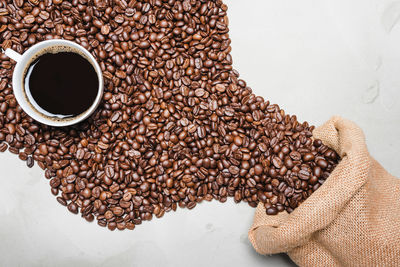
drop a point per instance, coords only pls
(61, 84)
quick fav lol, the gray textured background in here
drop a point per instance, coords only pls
(314, 58)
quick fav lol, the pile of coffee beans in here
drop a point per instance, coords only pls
(176, 125)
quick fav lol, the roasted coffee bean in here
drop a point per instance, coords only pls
(289, 163)
(72, 207)
(322, 163)
(234, 170)
(277, 162)
(43, 149)
(258, 169)
(295, 155)
(176, 124)
(304, 175)
(3, 147)
(13, 150)
(29, 162)
(272, 211)
(308, 157)
(317, 171)
(62, 201)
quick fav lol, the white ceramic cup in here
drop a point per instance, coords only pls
(23, 63)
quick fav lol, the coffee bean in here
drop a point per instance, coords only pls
(55, 182)
(144, 44)
(199, 92)
(308, 157)
(322, 163)
(72, 207)
(13, 150)
(86, 193)
(277, 162)
(29, 19)
(272, 211)
(44, 15)
(238, 140)
(62, 201)
(317, 171)
(289, 163)
(137, 201)
(234, 170)
(29, 162)
(201, 132)
(258, 169)
(176, 124)
(110, 171)
(295, 155)
(10, 115)
(43, 149)
(80, 154)
(220, 88)
(3, 147)
(317, 143)
(304, 175)
(145, 187)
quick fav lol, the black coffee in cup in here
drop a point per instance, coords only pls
(63, 84)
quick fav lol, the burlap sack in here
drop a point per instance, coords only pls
(353, 219)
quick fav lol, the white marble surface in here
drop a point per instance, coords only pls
(314, 58)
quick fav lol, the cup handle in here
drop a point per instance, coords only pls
(13, 55)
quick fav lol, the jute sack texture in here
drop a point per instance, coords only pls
(353, 219)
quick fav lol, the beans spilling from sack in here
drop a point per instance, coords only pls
(176, 125)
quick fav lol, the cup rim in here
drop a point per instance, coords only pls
(18, 86)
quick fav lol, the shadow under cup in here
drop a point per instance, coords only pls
(23, 93)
